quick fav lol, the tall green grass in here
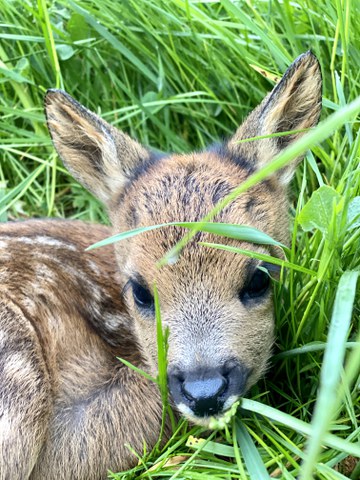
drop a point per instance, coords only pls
(179, 75)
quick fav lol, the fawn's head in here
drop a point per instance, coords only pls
(217, 305)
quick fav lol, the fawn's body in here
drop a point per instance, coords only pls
(68, 407)
(63, 390)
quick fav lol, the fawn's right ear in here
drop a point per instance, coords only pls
(98, 155)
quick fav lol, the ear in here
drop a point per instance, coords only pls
(294, 104)
(99, 156)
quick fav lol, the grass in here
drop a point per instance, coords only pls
(179, 75)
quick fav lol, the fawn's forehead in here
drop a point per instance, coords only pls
(187, 187)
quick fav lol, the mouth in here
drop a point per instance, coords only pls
(212, 422)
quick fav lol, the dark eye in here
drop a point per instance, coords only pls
(257, 287)
(142, 295)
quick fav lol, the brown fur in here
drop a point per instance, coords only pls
(63, 392)
(67, 405)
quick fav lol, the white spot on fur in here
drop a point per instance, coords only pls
(5, 251)
(45, 240)
(113, 322)
(40, 286)
(47, 276)
(2, 339)
(5, 426)
(44, 272)
(17, 367)
(30, 305)
(189, 414)
(93, 267)
(184, 409)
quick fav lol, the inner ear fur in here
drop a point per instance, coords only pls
(98, 155)
(293, 104)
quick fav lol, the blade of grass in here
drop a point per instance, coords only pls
(210, 447)
(137, 370)
(311, 347)
(261, 256)
(49, 41)
(331, 369)
(252, 458)
(299, 426)
(238, 232)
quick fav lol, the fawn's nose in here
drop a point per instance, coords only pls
(204, 395)
(205, 390)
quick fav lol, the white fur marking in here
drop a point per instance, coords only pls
(93, 267)
(45, 240)
(45, 273)
(5, 426)
(113, 322)
(2, 339)
(17, 366)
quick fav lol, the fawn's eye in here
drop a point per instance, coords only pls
(142, 295)
(257, 287)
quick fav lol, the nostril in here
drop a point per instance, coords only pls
(179, 376)
(187, 394)
(228, 367)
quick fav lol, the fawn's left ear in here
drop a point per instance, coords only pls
(98, 155)
(294, 104)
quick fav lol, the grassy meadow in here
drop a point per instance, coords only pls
(179, 75)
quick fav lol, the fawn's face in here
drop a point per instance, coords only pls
(217, 304)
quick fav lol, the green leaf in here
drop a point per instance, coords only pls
(7, 200)
(137, 369)
(23, 65)
(238, 232)
(13, 75)
(252, 458)
(150, 100)
(78, 27)
(65, 51)
(318, 211)
(220, 422)
(210, 447)
(353, 216)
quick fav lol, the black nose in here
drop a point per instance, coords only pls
(205, 390)
(204, 393)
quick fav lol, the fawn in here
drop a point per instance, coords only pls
(67, 405)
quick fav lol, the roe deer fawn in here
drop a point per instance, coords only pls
(67, 405)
